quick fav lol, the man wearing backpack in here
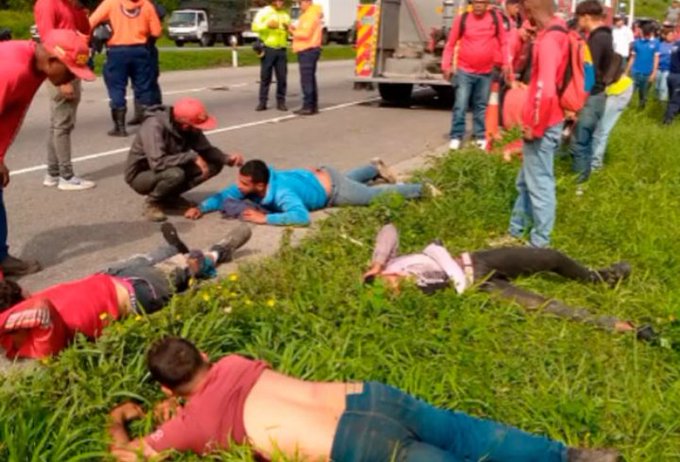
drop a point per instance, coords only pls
(590, 15)
(543, 117)
(477, 35)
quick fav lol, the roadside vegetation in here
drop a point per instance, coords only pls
(306, 312)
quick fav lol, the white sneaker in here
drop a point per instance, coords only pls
(75, 184)
(454, 145)
(50, 181)
(481, 144)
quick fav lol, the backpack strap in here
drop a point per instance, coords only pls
(558, 28)
(463, 19)
(496, 22)
(461, 27)
(562, 87)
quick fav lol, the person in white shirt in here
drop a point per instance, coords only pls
(623, 37)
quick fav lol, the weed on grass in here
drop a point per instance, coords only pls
(307, 313)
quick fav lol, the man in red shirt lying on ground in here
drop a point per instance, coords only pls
(44, 323)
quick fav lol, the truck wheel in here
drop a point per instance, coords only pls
(179, 43)
(396, 93)
(351, 37)
(207, 40)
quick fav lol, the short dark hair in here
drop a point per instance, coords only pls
(648, 29)
(591, 8)
(174, 362)
(10, 294)
(256, 170)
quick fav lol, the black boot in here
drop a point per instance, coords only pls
(237, 238)
(139, 114)
(615, 273)
(172, 237)
(118, 116)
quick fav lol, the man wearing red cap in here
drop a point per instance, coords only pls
(171, 155)
(61, 57)
(64, 100)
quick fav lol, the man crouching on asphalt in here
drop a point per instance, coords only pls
(171, 155)
(240, 401)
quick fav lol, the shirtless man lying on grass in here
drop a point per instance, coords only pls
(242, 401)
(43, 324)
(492, 270)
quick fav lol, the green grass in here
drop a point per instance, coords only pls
(19, 22)
(306, 313)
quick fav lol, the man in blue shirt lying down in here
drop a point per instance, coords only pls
(285, 197)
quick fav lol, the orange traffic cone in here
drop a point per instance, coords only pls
(493, 132)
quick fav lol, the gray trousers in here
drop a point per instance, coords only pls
(62, 121)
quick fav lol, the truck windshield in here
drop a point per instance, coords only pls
(182, 19)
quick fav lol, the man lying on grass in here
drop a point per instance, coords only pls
(435, 268)
(45, 323)
(285, 197)
(242, 401)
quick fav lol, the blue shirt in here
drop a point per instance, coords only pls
(290, 196)
(665, 55)
(675, 58)
(644, 50)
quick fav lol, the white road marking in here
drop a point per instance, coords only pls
(231, 128)
(191, 90)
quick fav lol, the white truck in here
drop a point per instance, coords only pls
(339, 19)
(205, 21)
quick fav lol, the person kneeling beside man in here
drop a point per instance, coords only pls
(171, 155)
(43, 324)
(238, 400)
(285, 197)
(492, 270)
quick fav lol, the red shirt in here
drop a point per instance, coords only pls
(213, 417)
(85, 306)
(60, 14)
(550, 57)
(19, 82)
(479, 45)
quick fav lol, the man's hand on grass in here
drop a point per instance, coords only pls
(376, 268)
(126, 412)
(193, 213)
(254, 216)
(166, 410)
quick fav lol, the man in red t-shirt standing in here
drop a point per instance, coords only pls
(64, 99)
(543, 117)
(61, 57)
(476, 38)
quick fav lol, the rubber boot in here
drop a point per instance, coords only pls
(118, 116)
(139, 114)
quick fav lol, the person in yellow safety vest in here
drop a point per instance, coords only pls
(307, 36)
(271, 23)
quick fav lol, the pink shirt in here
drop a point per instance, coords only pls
(60, 14)
(478, 47)
(19, 82)
(213, 417)
(550, 57)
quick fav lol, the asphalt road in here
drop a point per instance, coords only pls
(76, 233)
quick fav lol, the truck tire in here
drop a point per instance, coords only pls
(207, 40)
(351, 37)
(179, 43)
(396, 93)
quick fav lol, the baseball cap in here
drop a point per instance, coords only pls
(191, 111)
(71, 48)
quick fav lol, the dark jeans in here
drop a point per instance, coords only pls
(385, 424)
(156, 94)
(641, 85)
(308, 60)
(173, 181)
(495, 268)
(4, 248)
(582, 142)
(673, 107)
(274, 60)
(129, 62)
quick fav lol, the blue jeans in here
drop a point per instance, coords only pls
(308, 60)
(351, 188)
(613, 109)
(662, 85)
(473, 87)
(4, 248)
(536, 202)
(133, 63)
(582, 142)
(385, 424)
(641, 85)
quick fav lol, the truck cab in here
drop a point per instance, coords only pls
(189, 26)
(206, 21)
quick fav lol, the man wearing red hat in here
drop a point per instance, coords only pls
(61, 57)
(171, 155)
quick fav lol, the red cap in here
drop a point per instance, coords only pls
(71, 48)
(191, 111)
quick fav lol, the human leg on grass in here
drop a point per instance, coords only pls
(349, 189)
(612, 112)
(673, 107)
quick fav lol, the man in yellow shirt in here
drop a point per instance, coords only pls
(307, 44)
(271, 23)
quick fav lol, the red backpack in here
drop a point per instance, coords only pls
(579, 75)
